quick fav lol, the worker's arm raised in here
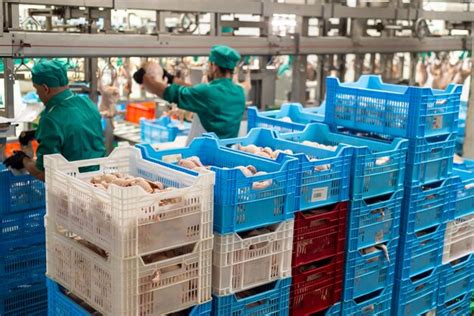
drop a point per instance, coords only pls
(193, 99)
(155, 86)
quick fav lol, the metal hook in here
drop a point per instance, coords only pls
(20, 65)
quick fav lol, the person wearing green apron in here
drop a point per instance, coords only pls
(218, 105)
(69, 125)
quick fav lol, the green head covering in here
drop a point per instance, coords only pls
(51, 73)
(227, 29)
(224, 56)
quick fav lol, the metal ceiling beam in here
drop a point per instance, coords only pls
(29, 44)
(237, 7)
(32, 44)
(67, 3)
(389, 13)
(303, 10)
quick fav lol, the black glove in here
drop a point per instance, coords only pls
(169, 76)
(26, 137)
(16, 160)
(138, 75)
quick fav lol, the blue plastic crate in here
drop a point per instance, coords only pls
(317, 184)
(464, 187)
(162, 130)
(21, 229)
(430, 160)
(466, 164)
(377, 303)
(420, 251)
(378, 167)
(387, 109)
(428, 205)
(459, 306)
(120, 109)
(270, 299)
(26, 298)
(273, 119)
(456, 278)
(416, 295)
(368, 272)
(19, 193)
(19, 263)
(62, 303)
(237, 205)
(335, 310)
(374, 221)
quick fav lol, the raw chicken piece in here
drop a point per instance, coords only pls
(105, 180)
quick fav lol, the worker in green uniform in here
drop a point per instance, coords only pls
(69, 125)
(218, 105)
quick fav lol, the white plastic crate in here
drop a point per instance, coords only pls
(458, 239)
(241, 262)
(130, 286)
(128, 222)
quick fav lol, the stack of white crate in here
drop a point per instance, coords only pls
(125, 251)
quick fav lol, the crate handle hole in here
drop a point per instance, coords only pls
(168, 254)
(259, 245)
(255, 304)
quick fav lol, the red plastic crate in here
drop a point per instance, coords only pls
(135, 111)
(316, 286)
(319, 234)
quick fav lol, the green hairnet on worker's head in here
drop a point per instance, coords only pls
(224, 56)
(51, 73)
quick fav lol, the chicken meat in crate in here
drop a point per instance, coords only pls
(250, 191)
(252, 258)
(128, 206)
(153, 284)
(378, 166)
(323, 175)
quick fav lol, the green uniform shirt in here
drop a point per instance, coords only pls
(70, 125)
(219, 104)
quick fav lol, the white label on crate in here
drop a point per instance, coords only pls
(172, 158)
(437, 122)
(319, 194)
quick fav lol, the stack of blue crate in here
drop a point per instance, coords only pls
(253, 226)
(457, 270)
(322, 192)
(428, 119)
(22, 245)
(376, 192)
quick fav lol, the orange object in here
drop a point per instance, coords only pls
(136, 111)
(11, 147)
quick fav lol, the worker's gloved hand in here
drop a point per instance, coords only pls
(26, 137)
(16, 160)
(168, 76)
(138, 75)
